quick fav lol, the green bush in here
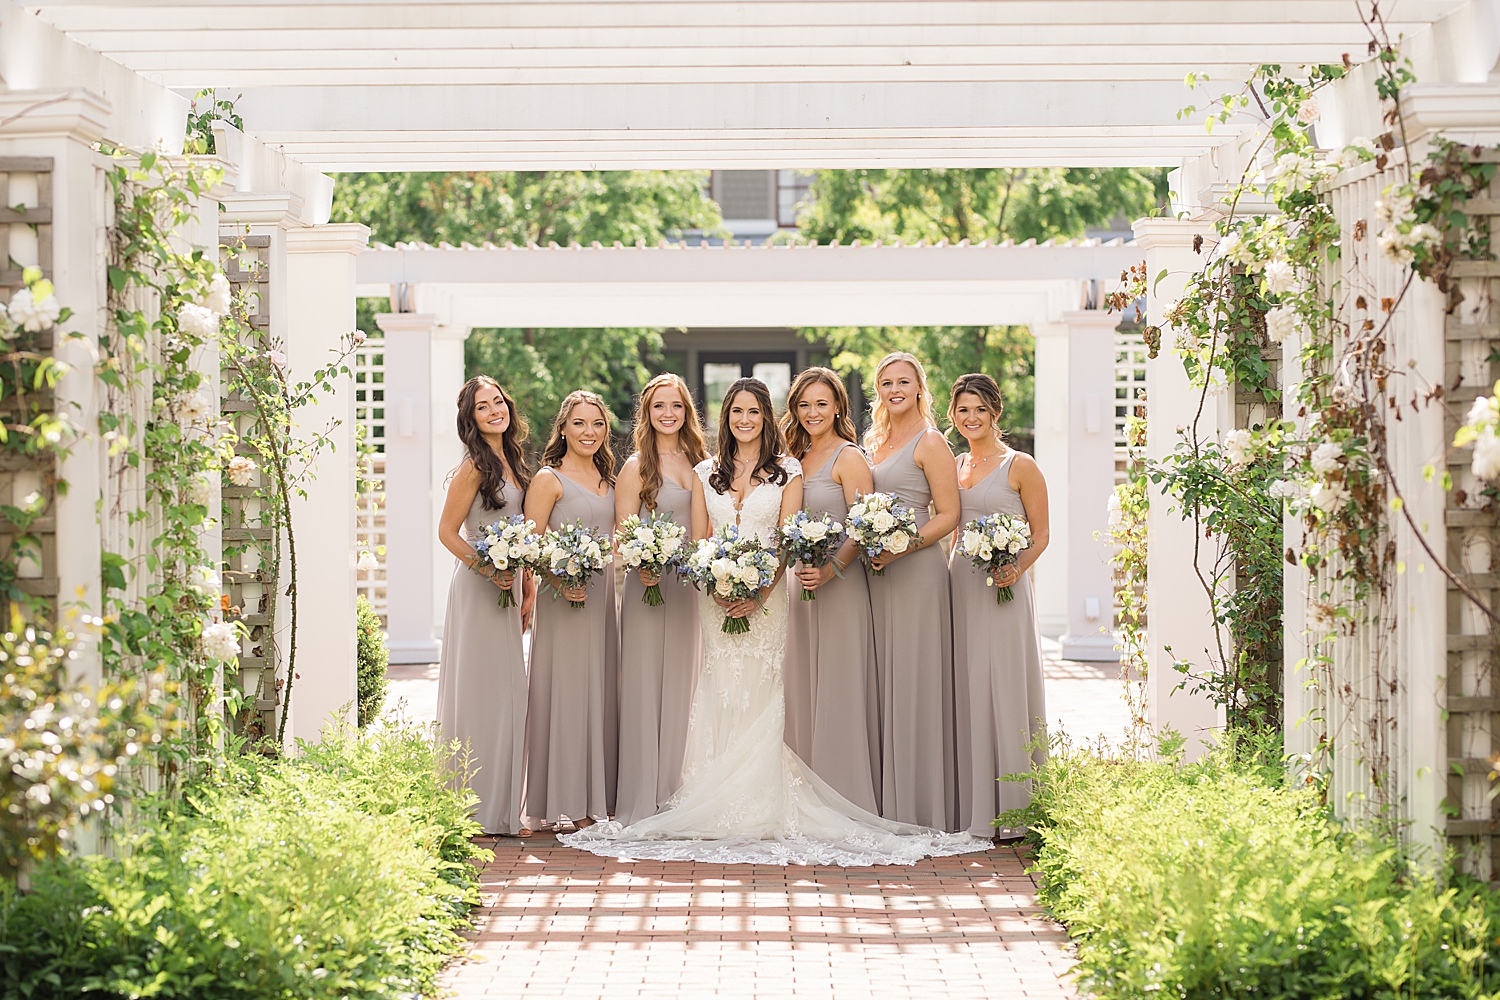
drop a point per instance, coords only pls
(1216, 880)
(372, 659)
(343, 872)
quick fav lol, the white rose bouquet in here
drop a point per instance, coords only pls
(812, 541)
(732, 567)
(512, 546)
(573, 553)
(652, 545)
(880, 522)
(994, 542)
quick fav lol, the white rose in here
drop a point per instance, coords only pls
(883, 521)
(201, 490)
(1325, 458)
(645, 535)
(971, 542)
(723, 588)
(1395, 208)
(723, 569)
(1116, 510)
(671, 544)
(1328, 497)
(191, 406)
(367, 561)
(241, 470)
(204, 580)
(1281, 276)
(221, 641)
(31, 314)
(1484, 410)
(218, 299)
(1307, 111)
(815, 531)
(898, 542)
(277, 358)
(197, 321)
(1296, 171)
(749, 576)
(1487, 455)
(1236, 445)
(1282, 322)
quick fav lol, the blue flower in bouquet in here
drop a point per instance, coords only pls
(880, 522)
(652, 544)
(810, 540)
(732, 567)
(573, 554)
(993, 542)
(510, 546)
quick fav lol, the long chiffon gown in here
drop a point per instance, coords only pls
(660, 652)
(914, 656)
(832, 701)
(572, 722)
(482, 680)
(997, 661)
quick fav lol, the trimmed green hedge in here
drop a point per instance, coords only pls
(1216, 880)
(344, 872)
(372, 658)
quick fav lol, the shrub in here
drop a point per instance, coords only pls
(372, 659)
(1215, 879)
(343, 872)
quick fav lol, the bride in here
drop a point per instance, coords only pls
(745, 797)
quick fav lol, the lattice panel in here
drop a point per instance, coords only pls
(369, 411)
(26, 241)
(1130, 390)
(250, 546)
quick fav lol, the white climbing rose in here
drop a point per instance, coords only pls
(367, 561)
(32, 314)
(1283, 322)
(1307, 111)
(218, 300)
(1281, 276)
(1236, 447)
(221, 641)
(197, 321)
(1328, 497)
(241, 470)
(1325, 458)
(1487, 454)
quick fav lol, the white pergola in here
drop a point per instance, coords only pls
(1049, 288)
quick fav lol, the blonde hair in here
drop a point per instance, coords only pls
(880, 420)
(798, 441)
(690, 436)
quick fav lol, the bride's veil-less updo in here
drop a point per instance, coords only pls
(772, 447)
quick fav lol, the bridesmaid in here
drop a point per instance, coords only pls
(832, 698)
(997, 652)
(572, 720)
(911, 604)
(482, 677)
(659, 647)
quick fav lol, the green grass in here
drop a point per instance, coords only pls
(1217, 880)
(345, 872)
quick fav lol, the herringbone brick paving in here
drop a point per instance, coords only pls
(560, 922)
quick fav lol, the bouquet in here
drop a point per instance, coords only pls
(734, 568)
(811, 541)
(573, 553)
(880, 522)
(651, 545)
(511, 545)
(992, 543)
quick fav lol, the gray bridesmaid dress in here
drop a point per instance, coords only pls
(997, 659)
(832, 699)
(914, 658)
(572, 720)
(660, 653)
(482, 680)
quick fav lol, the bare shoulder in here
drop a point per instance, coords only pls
(547, 483)
(1024, 468)
(933, 447)
(851, 460)
(467, 474)
(631, 470)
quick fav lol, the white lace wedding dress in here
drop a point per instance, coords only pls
(745, 797)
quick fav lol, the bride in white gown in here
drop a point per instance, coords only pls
(745, 797)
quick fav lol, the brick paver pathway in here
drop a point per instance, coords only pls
(555, 922)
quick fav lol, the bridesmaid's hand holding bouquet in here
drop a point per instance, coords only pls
(572, 554)
(812, 541)
(732, 569)
(880, 522)
(509, 547)
(994, 542)
(650, 546)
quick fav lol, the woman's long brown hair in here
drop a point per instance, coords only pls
(690, 436)
(772, 447)
(557, 445)
(798, 441)
(491, 469)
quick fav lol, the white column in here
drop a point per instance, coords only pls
(447, 380)
(1051, 572)
(1178, 614)
(1091, 480)
(320, 314)
(411, 529)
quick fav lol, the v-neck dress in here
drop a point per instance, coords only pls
(832, 699)
(660, 655)
(572, 722)
(997, 660)
(913, 617)
(482, 679)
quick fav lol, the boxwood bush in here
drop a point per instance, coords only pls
(345, 871)
(372, 657)
(1215, 879)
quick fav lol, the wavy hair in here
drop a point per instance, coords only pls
(690, 436)
(491, 469)
(557, 445)
(880, 421)
(798, 441)
(772, 447)
(988, 391)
